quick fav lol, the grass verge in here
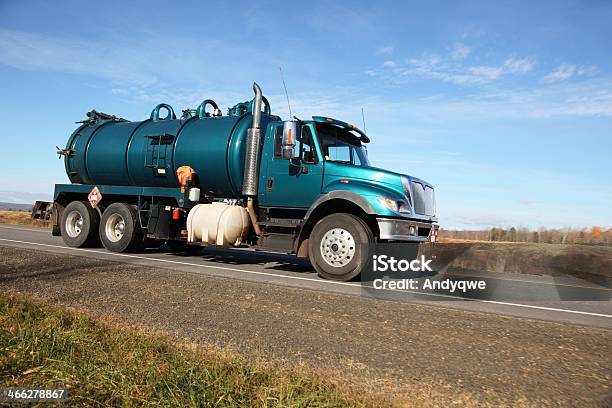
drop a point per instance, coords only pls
(103, 364)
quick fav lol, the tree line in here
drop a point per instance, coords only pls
(593, 235)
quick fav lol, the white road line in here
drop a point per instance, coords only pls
(323, 282)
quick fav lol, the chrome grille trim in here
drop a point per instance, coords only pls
(423, 199)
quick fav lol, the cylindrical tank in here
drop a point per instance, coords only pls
(218, 223)
(149, 152)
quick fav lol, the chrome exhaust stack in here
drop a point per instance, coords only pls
(251, 167)
(251, 162)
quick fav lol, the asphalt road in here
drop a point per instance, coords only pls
(593, 306)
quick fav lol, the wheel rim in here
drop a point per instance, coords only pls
(115, 227)
(74, 224)
(338, 247)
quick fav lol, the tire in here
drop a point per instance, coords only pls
(340, 246)
(119, 228)
(79, 225)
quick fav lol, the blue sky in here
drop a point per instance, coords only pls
(506, 107)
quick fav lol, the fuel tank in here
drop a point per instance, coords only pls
(110, 151)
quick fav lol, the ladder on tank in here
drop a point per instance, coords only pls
(157, 152)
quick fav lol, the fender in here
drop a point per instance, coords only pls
(299, 245)
(343, 195)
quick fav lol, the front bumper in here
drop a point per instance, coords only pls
(406, 230)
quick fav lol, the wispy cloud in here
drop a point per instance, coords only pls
(518, 65)
(492, 94)
(565, 71)
(130, 75)
(447, 68)
(483, 73)
(35, 52)
(460, 51)
(510, 66)
(385, 50)
(120, 91)
(586, 99)
(131, 65)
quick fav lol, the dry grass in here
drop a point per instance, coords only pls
(104, 364)
(21, 218)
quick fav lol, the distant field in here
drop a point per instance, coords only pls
(21, 218)
(595, 235)
(590, 262)
(15, 207)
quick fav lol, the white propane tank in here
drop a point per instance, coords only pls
(218, 223)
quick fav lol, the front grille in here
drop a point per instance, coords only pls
(424, 200)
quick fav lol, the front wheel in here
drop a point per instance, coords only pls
(339, 246)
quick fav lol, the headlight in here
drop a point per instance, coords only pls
(389, 203)
(394, 205)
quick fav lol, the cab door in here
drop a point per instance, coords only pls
(294, 183)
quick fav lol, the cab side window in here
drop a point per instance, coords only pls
(304, 147)
(307, 146)
(278, 141)
(339, 153)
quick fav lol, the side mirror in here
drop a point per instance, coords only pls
(295, 161)
(289, 138)
(288, 152)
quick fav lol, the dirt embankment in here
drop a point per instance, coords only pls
(588, 262)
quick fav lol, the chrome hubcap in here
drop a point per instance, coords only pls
(115, 227)
(74, 224)
(338, 247)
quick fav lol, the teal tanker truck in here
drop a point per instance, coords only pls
(244, 179)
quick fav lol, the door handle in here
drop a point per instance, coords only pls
(304, 169)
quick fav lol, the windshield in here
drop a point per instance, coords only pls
(341, 146)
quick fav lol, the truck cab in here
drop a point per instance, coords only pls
(328, 172)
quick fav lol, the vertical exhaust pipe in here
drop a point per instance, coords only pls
(251, 163)
(257, 106)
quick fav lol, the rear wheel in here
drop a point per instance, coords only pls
(79, 225)
(119, 228)
(339, 246)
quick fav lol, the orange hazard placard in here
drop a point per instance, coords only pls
(94, 197)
